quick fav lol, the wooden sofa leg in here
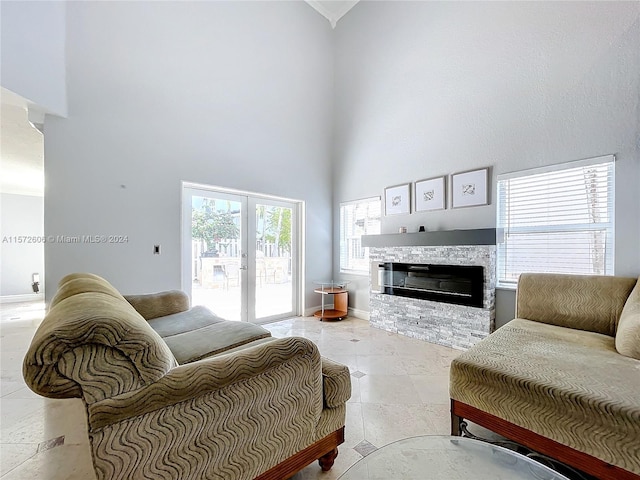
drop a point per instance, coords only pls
(455, 422)
(326, 461)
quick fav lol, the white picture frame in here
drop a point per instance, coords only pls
(470, 189)
(430, 194)
(397, 199)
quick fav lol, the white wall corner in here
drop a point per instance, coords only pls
(308, 312)
(36, 118)
(332, 10)
(361, 314)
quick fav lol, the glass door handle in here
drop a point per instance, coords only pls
(243, 267)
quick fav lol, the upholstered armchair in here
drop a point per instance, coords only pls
(260, 407)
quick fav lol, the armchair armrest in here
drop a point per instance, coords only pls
(336, 383)
(161, 304)
(296, 360)
(94, 345)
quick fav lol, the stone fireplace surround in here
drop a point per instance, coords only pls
(450, 325)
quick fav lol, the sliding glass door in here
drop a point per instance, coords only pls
(240, 254)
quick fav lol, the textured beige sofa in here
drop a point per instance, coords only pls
(563, 378)
(177, 393)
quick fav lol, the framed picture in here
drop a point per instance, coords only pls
(469, 189)
(430, 194)
(397, 199)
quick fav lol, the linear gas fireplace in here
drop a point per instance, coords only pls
(456, 284)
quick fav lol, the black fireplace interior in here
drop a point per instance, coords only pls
(457, 284)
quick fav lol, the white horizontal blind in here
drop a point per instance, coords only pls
(557, 219)
(357, 218)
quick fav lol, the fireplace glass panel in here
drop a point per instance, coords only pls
(456, 284)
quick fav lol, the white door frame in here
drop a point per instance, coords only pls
(248, 225)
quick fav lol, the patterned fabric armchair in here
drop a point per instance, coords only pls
(177, 393)
(563, 377)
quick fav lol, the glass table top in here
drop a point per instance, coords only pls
(330, 286)
(447, 458)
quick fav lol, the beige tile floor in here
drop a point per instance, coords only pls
(400, 389)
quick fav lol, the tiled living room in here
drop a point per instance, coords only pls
(392, 378)
(418, 156)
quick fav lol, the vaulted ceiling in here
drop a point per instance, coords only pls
(332, 10)
(22, 145)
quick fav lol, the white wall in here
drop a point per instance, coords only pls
(233, 94)
(22, 215)
(425, 89)
(33, 59)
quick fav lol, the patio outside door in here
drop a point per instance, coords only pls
(240, 254)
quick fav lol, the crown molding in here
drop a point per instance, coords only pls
(335, 11)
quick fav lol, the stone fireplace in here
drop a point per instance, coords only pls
(442, 293)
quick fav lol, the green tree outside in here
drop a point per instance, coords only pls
(212, 226)
(278, 231)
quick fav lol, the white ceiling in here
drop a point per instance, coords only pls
(21, 148)
(332, 10)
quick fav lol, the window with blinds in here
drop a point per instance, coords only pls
(357, 218)
(557, 219)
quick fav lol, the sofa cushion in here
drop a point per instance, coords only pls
(154, 305)
(182, 322)
(583, 302)
(199, 333)
(568, 385)
(628, 332)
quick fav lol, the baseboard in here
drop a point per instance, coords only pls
(362, 314)
(27, 297)
(308, 312)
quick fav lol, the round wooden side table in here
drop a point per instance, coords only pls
(340, 294)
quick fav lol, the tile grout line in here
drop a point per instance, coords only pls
(21, 463)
